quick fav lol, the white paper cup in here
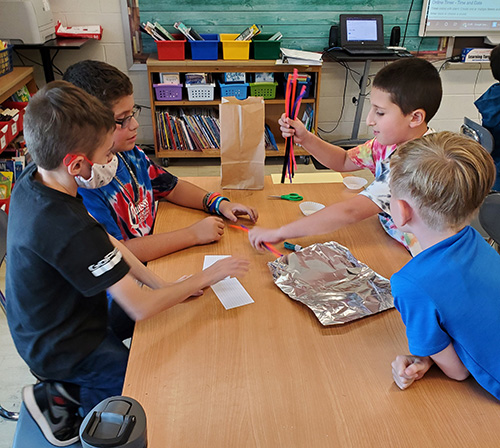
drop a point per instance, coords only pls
(308, 207)
(354, 182)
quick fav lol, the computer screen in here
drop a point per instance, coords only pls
(361, 30)
(460, 18)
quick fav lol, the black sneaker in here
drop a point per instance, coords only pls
(54, 411)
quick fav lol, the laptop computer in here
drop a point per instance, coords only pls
(363, 34)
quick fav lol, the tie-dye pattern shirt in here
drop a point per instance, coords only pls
(376, 157)
(125, 212)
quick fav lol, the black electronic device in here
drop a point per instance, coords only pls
(333, 39)
(363, 34)
(395, 36)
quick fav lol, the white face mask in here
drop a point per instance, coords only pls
(100, 175)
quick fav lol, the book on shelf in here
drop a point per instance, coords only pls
(270, 141)
(194, 131)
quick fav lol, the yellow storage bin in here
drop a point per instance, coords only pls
(234, 49)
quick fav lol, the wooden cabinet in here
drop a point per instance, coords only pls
(274, 107)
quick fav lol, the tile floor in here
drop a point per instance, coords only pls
(13, 372)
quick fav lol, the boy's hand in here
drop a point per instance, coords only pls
(293, 128)
(232, 210)
(208, 230)
(230, 266)
(259, 235)
(406, 369)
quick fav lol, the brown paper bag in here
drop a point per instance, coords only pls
(242, 144)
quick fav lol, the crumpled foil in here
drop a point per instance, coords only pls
(336, 286)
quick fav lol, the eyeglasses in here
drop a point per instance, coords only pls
(124, 122)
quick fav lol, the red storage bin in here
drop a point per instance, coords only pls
(172, 50)
(21, 106)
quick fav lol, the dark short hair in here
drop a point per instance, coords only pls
(62, 119)
(495, 62)
(101, 80)
(413, 83)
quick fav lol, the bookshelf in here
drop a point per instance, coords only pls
(273, 108)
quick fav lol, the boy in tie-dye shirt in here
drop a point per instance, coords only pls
(405, 96)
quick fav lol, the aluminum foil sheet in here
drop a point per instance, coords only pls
(336, 286)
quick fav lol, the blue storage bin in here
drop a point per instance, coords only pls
(205, 50)
(240, 91)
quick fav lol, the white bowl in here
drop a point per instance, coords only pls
(354, 182)
(308, 207)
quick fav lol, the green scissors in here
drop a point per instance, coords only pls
(288, 197)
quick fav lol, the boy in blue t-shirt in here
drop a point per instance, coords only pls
(449, 294)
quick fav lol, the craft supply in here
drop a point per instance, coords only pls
(287, 197)
(292, 105)
(308, 207)
(290, 246)
(329, 280)
(229, 291)
(354, 182)
(268, 246)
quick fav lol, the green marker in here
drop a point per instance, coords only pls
(294, 247)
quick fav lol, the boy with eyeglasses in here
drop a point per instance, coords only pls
(126, 205)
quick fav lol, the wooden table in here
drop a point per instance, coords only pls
(270, 375)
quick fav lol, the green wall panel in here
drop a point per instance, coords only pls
(305, 24)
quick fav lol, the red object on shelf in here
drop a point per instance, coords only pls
(21, 106)
(172, 50)
(5, 202)
(85, 32)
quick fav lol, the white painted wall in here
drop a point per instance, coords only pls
(461, 86)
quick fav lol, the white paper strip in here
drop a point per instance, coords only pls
(229, 291)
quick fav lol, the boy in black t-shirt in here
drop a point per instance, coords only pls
(62, 262)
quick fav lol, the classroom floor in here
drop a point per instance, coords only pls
(14, 373)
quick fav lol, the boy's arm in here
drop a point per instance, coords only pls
(328, 220)
(141, 303)
(151, 247)
(189, 195)
(138, 270)
(332, 156)
(406, 368)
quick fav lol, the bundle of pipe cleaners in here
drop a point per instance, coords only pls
(292, 106)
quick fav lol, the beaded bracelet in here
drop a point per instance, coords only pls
(211, 202)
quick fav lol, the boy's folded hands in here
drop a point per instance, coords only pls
(406, 369)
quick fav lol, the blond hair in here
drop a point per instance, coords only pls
(445, 175)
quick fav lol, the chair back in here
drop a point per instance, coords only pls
(489, 216)
(479, 133)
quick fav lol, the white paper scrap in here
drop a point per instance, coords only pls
(229, 291)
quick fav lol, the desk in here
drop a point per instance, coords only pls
(342, 56)
(270, 375)
(54, 44)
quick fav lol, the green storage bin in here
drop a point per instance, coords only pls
(264, 48)
(266, 90)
